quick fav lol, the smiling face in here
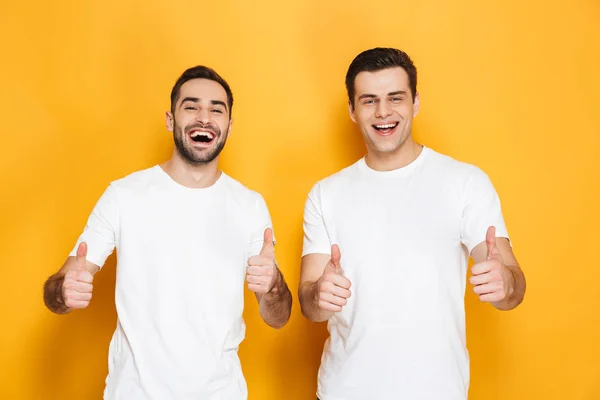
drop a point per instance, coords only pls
(200, 121)
(384, 109)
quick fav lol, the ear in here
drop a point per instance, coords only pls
(230, 126)
(351, 111)
(169, 117)
(416, 104)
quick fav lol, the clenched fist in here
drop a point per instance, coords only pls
(333, 288)
(77, 284)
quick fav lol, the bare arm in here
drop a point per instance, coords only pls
(71, 287)
(323, 290)
(497, 276)
(276, 305)
(266, 281)
(312, 268)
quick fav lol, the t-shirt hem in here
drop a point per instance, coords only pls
(91, 258)
(322, 250)
(471, 246)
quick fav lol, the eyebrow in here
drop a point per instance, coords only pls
(192, 99)
(197, 100)
(218, 103)
(366, 96)
(372, 96)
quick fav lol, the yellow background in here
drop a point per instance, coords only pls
(511, 87)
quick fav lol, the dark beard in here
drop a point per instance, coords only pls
(188, 153)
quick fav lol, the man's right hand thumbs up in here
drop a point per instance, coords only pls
(333, 287)
(77, 285)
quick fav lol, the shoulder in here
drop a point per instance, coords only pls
(138, 179)
(241, 194)
(457, 171)
(337, 181)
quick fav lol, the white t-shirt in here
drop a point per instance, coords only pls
(182, 256)
(405, 237)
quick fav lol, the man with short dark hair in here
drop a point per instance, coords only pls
(386, 246)
(187, 236)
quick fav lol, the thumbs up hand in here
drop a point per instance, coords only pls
(491, 280)
(333, 287)
(261, 273)
(77, 284)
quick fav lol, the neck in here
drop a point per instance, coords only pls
(401, 157)
(192, 176)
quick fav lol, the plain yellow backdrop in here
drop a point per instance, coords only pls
(510, 86)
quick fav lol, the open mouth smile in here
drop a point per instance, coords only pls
(202, 136)
(386, 129)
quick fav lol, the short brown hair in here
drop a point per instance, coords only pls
(377, 59)
(200, 72)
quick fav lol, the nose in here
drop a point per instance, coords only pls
(383, 109)
(203, 115)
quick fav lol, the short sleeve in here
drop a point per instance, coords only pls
(316, 238)
(99, 232)
(261, 221)
(481, 209)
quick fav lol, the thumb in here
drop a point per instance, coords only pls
(268, 247)
(336, 255)
(81, 255)
(490, 241)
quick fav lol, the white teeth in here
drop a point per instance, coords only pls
(200, 133)
(386, 126)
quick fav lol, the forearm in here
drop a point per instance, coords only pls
(515, 296)
(309, 303)
(53, 297)
(276, 305)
